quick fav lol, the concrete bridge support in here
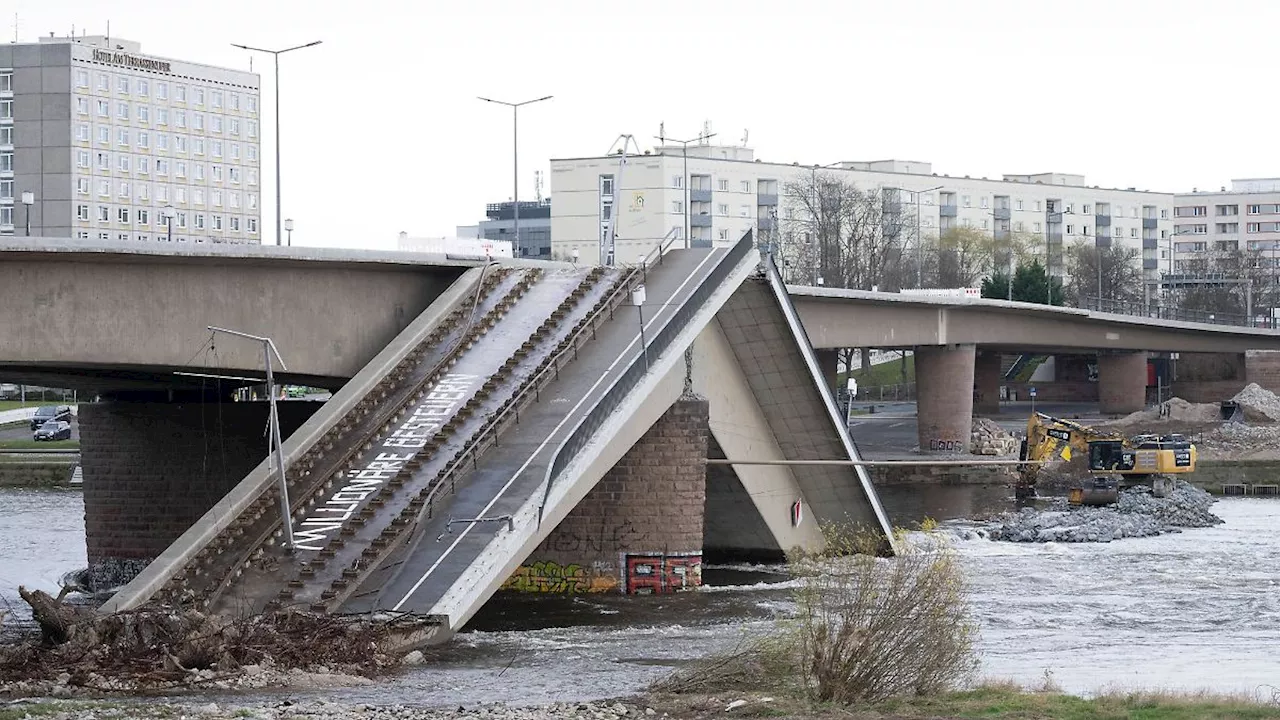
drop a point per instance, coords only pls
(944, 384)
(640, 529)
(1122, 382)
(986, 383)
(829, 362)
(151, 469)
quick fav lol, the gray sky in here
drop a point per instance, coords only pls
(382, 131)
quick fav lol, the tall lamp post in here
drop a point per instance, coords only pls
(166, 212)
(919, 245)
(275, 55)
(515, 161)
(684, 150)
(28, 200)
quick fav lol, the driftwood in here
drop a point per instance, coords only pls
(56, 620)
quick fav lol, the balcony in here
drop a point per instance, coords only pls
(947, 210)
(1102, 241)
(767, 224)
(1101, 220)
(767, 199)
(700, 220)
(1150, 243)
(699, 195)
(700, 242)
(1150, 263)
(1149, 223)
(1053, 218)
(1001, 213)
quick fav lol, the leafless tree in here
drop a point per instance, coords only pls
(848, 236)
(1112, 273)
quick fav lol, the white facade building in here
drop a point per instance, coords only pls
(730, 192)
(1208, 224)
(109, 142)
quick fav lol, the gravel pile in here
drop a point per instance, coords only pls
(1137, 514)
(1259, 404)
(287, 710)
(1233, 438)
(988, 438)
(1173, 410)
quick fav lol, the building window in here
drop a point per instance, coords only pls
(233, 126)
(234, 200)
(216, 197)
(252, 127)
(234, 223)
(122, 215)
(124, 190)
(144, 114)
(1133, 232)
(104, 188)
(199, 218)
(180, 118)
(966, 201)
(215, 124)
(722, 184)
(122, 85)
(82, 186)
(180, 143)
(104, 108)
(677, 206)
(104, 213)
(104, 82)
(253, 177)
(6, 189)
(217, 173)
(144, 217)
(144, 87)
(162, 91)
(677, 181)
(6, 215)
(252, 200)
(197, 196)
(82, 105)
(82, 132)
(251, 103)
(162, 166)
(217, 148)
(1035, 227)
(162, 141)
(251, 224)
(180, 195)
(235, 151)
(122, 138)
(104, 135)
(234, 175)
(215, 98)
(199, 171)
(199, 95)
(82, 213)
(197, 121)
(180, 170)
(722, 209)
(6, 82)
(144, 191)
(144, 140)
(122, 162)
(162, 116)
(179, 93)
(6, 162)
(82, 78)
(122, 111)
(82, 159)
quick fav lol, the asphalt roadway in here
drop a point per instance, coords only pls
(24, 431)
(890, 431)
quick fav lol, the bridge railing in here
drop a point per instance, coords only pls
(622, 387)
(1140, 309)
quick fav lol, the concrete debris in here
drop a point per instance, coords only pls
(1138, 513)
(1240, 441)
(290, 709)
(1258, 404)
(988, 438)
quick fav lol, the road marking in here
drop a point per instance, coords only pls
(665, 308)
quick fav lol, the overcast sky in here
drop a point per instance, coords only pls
(382, 131)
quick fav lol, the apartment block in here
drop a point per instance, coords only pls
(1211, 225)
(719, 192)
(112, 144)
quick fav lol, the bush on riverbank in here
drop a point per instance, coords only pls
(867, 628)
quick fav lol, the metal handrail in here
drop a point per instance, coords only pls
(626, 382)
(533, 385)
(1125, 307)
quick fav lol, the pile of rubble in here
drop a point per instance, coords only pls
(988, 438)
(1174, 410)
(330, 710)
(1259, 405)
(1137, 513)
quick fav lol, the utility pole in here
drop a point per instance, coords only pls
(684, 151)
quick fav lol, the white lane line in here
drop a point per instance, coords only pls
(665, 308)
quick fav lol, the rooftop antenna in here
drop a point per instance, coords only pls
(706, 131)
(108, 34)
(537, 186)
(662, 133)
(745, 131)
(15, 27)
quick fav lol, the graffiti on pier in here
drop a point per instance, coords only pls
(552, 577)
(659, 573)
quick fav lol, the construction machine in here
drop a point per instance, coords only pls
(1114, 461)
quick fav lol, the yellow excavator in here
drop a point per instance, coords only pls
(1114, 461)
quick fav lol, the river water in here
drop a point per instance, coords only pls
(1199, 609)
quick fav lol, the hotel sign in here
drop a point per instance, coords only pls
(131, 61)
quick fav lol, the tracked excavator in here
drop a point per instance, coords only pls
(1114, 461)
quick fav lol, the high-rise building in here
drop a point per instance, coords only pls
(535, 227)
(1212, 228)
(113, 144)
(720, 192)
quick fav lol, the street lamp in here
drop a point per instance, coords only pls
(288, 227)
(275, 54)
(515, 160)
(166, 212)
(684, 150)
(28, 199)
(919, 245)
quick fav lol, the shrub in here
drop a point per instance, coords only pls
(870, 628)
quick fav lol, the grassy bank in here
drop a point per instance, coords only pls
(998, 700)
(886, 373)
(24, 444)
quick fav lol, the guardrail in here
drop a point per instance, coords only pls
(1125, 307)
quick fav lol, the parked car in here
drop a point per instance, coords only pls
(53, 430)
(9, 391)
(45, 413)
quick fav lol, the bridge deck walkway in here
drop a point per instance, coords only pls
(509, 475)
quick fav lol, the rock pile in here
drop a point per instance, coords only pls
(1237, 440)
(1258, 403)
(290, 710)
(1173, 410)
(1138, 513)
(988, 438)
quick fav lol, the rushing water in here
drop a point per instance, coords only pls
(1199, 609)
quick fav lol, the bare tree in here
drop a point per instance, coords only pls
(1223, 280)
(848, 236)
(1112, 273)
